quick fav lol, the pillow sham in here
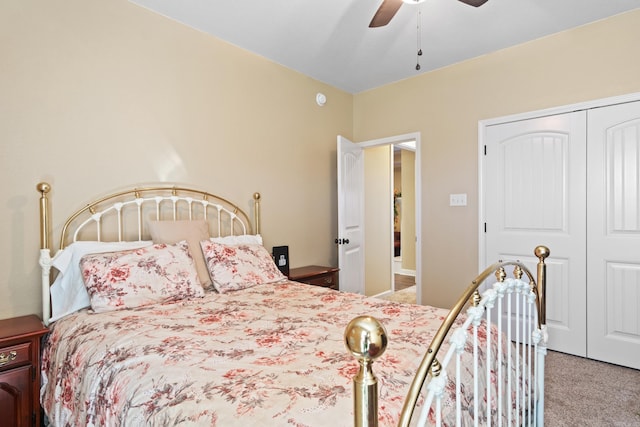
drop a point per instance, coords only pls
(68, 293)
(193, 231)
(242, 239)
(236, 267)
(139, 277)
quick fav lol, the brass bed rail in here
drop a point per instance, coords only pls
(366, 339)
(138, 193)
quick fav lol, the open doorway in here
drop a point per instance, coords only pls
(367, 261)
(362, 237)
(404, 218)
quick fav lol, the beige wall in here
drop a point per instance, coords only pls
(96, 95)
(397, 185)
(378, 246)
(408, 210)
(590, 62)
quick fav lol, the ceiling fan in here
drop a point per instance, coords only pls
(388, 9)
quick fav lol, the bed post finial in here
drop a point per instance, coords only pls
(366, 339)
(542, 252)
(256, 211)
(44, 188)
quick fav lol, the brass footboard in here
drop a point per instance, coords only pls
(366, 339)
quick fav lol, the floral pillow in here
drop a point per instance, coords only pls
(139, 277)
(236, 267)
(190, 230)
(68, 292)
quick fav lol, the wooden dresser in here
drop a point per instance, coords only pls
(20, 371)
(316, 275)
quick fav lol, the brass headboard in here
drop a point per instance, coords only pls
(121, 216)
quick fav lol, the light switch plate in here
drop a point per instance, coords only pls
(458, 199)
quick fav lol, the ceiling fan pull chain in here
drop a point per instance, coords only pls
(419, 36)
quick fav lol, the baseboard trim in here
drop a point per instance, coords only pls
(382, 294)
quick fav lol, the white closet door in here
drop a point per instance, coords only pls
(534, 192)
(613, 256)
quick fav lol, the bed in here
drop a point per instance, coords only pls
(164, 308)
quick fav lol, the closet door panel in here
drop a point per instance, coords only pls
(613, 223)
(534, 191)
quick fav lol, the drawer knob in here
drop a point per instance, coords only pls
(8, 357)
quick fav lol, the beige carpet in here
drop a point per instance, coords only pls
(585, 392)
(407, 295)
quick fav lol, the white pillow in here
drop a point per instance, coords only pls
(68, 293)
(242, 239)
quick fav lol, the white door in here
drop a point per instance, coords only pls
(350, 216)
(534, 194)
(613, 224)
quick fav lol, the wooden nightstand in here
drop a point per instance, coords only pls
(316, 275)
(20, 371)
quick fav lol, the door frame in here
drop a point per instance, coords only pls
(482, 125)
(393, 140)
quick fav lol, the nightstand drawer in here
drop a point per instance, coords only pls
(15, 355)
(329, 280)
(20, 371)
(316, 275)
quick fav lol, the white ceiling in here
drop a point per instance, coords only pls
(330, 40)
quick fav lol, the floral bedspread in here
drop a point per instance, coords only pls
(270, 355)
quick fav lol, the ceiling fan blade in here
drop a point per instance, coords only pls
(475, 3)
(385, 12)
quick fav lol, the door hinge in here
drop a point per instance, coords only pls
(485, 227)
(485, 150)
